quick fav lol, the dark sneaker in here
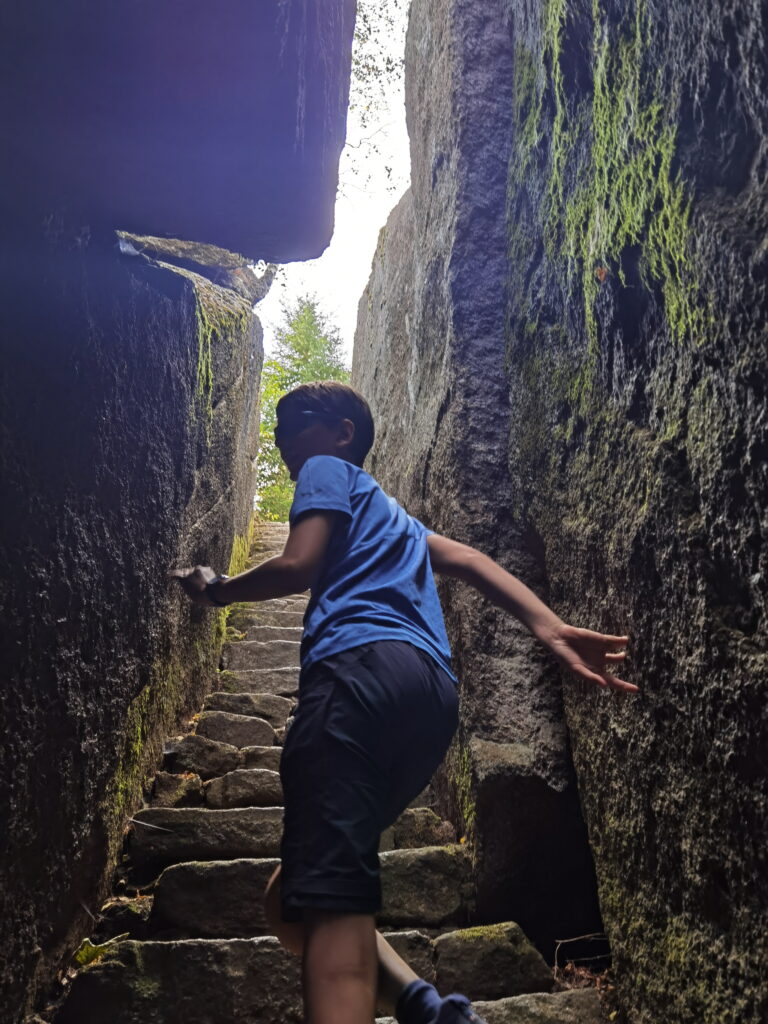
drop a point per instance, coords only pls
(457, 1009)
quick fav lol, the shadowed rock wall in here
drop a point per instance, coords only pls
(129, 426)
(221, 123)
(564, 340)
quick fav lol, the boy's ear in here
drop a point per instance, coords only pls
(346, 433)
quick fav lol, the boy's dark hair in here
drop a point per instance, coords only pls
(335, 400)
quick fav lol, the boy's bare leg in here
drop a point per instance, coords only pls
(393, 972)
(339, 968)
(394, 975)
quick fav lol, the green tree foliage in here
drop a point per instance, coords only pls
(308, 348)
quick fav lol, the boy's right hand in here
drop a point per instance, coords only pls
(588, 654)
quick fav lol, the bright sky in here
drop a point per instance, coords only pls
(366, 197)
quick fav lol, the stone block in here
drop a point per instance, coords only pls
(246, 787)
(573, 1007)
(214, 899)
(171, 790)
(262, 757)
(269, 706)
(281, 681)
(490, 961)
(195, 981)
(245, 654)
(428, 887)
(420, 826)
(200, 756)
(161, 836)
(237, 730)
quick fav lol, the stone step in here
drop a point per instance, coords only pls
(262, 757)
(207, 981)
(210, 759)
(269, 706)
(249, 654)
(245, 787)
(217, 899)
(177, 790)
(439, 875)
(571, 1007)
(417, 826)
(275, 617)
(200, 756)
(193, 981)
(264, 633)
(491, 961)
(236, 730)
(160, 836)
(428, 887)
(281, 681)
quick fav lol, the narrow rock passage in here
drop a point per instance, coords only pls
(190, 941)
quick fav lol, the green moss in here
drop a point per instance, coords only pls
(620, 191)
(240, 558)
(220, 315)
(462, 780)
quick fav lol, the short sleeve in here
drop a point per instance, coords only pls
(322, 485)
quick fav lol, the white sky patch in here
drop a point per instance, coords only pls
(367, 194)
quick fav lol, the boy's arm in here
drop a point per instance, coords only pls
(582, 651)
(292, 572)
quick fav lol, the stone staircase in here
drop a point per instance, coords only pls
(185, 939)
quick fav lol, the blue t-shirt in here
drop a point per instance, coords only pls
(377, 581)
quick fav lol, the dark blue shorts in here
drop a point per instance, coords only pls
(372, 725)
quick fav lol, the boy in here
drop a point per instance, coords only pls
(377, 698)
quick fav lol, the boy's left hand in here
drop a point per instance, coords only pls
(194, 581)
(588, 654)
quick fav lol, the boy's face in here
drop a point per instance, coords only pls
(301, 434)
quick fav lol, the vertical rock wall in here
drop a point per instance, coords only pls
(564, 341)
(637, 351)
(129, 425)
(429, 356)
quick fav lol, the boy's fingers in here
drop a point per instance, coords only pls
(615, 656)
(621, 684)
(616, 641)
(180, 574)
